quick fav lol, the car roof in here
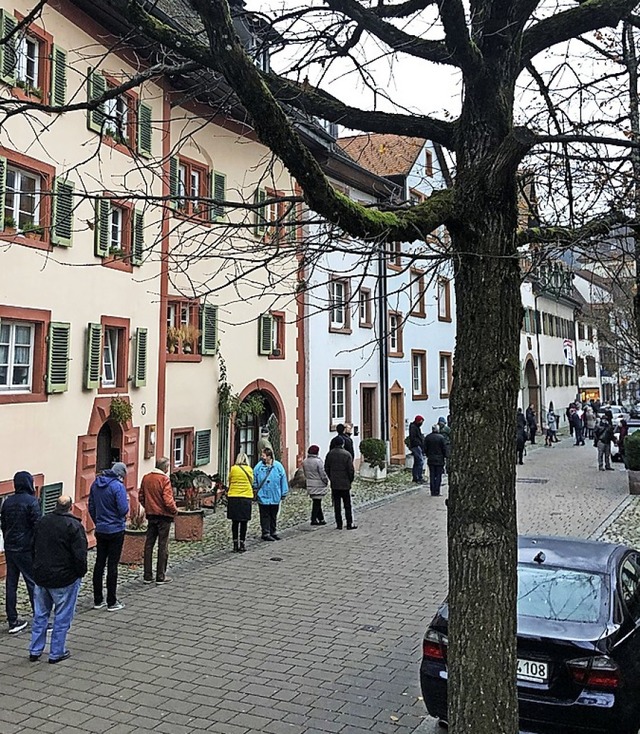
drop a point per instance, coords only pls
(575, 553)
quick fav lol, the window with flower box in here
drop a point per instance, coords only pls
(394, 322)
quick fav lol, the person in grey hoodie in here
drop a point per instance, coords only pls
(108, 507)
(18, 517)
(317, 483)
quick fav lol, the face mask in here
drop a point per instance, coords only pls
(264, 461)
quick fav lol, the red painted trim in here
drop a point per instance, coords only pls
(122, 376)
(164, 281)
(41, 319)
(265, 386)
(44, 63)
(301, 368)
(188, 449)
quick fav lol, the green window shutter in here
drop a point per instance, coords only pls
(93, 357)
(265, 334)
(96, 87)
(260, 214)
(209, 329)
(140, 374)
(101, 229)
(3, 188)
(292, 224)
(203, 448)
(58, 357)
(8, 55)
(58, 76)
(144, 130)
(49, 494)
(219, 193)
(137, 244)
(173, 181)
(62, 231)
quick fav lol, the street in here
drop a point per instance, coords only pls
(318, 633)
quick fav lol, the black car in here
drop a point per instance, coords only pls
(578, 639)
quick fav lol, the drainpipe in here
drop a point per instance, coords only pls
(540, 370)
(382, 347)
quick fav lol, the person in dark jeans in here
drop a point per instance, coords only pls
(108, 507)
(435, 448)
(271, 487)
(18, 517)
(416, 446)
(156, 496)
(532, 423)
(338, 466)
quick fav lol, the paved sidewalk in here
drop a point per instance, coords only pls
(318, 633)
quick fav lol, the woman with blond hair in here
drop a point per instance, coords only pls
(239, 500)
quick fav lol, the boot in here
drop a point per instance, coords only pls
(236, 546)
(241, 548)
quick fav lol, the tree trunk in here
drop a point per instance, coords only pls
(482, 527)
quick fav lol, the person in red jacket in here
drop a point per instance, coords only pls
(156, 496)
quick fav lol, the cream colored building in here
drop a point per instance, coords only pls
(120, 278)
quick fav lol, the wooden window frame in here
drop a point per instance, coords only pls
(121, 262)
(394, 257)
(347, 397)
(367, 322)
(422, 355)
(47, 175)
(449, 361)
(131, 98)
(444, 314)
(279, 330)
(44, 63)
(189, 433)
(41, 320)
(346, 328)
(122, 364)
(591, 360)
(419, 307)
(399, 352)
(188, 211)
(193, 304)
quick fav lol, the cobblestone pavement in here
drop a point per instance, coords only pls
(318, 633)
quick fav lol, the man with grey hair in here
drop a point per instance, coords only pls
(435, 449)
(156, 496)
(59, 563)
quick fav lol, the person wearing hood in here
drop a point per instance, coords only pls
(338, 466)
(18, 517)
(108, 507)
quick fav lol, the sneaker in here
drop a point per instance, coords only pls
(17, 626)
(165, 580)
(33, 658)
(65, 656)
(352, 527)
(116, 607)
(147, 581)
(100, 605)
(275, 537)
(267, 537)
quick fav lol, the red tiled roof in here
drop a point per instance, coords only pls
(384, 155)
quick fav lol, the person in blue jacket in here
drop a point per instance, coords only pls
(271, 485)
(108, 507)
(18, 517)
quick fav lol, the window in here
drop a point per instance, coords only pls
(444, 299)
(28, 56)
(119, 234)
(629, 585)
(192, 188)
(590, 333)
(183, 333)
(16, 355)
(419, 374)
(339, 306)
(395, 334)
(107, 355)
(117, 237)
(110, 357)
(278, 220)
(182, 448)
(580, 366)
(340, 398)
(22, 198)
(118, 114)
(364, 308)
(591, 367)
(418, 306)
(395, 255)
(278, 343)
(446, 375)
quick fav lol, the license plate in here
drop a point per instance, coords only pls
(532, 670)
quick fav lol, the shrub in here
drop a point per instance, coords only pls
(374, 452)
(632, 451)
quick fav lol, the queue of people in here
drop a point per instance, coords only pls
(435, 447)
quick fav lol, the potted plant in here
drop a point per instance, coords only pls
(32, 231)
(120, 410)
(135, 534)
(189, 486)
(374, 465)
(173, 339)
(632, 461)
(9, 225)
(189, 335)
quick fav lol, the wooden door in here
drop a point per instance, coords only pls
(368, 416)
(396, 411)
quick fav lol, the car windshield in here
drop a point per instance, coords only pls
(561, 594)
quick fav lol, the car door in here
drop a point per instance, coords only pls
(627, 648)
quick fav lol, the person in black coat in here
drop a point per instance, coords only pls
(520, 442)
(435, 448)
(338, 466)
(344, 431)
(59, 563)
(18, 517)
(575, 421)
(532, 423)
(416, 446)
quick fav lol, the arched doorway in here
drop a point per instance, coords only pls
(110, 443)
(531, 387)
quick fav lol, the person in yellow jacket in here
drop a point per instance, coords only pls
(239, 499)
